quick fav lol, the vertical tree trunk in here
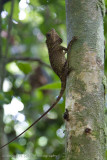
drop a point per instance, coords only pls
(85, 91)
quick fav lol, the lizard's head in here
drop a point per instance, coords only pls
(52, 37)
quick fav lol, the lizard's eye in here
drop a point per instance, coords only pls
(48, 35)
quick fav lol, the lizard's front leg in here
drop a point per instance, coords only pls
(68, 50)
(69, 45)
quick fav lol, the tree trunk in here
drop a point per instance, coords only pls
(85, 91)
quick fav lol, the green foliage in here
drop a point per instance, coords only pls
(106, 2)
(7, 7)
(36, 90)
(51, 86)
(5, 98)
(25, 67)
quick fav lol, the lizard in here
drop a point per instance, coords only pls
(59, 65)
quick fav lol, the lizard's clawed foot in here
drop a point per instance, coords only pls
(71, 42)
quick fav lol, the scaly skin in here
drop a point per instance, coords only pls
(56, 54)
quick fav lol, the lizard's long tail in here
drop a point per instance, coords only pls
(63, 85)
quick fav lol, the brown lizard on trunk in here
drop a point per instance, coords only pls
(59, 65)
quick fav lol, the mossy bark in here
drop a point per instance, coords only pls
(85, 90)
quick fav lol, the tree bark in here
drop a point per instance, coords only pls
(85, 91)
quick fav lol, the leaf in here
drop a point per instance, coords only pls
(105, 2)
(7, 7)
(35, 3)
(4, 99)
(47, 2)
(12, 68)
(1, 96)
(55, 85)
(25, 67)
(18, 146)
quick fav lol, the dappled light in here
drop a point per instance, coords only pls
(14, 107)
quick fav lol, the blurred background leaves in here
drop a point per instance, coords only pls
(30, 88)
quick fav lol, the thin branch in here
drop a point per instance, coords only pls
(9, 27)
(28, 59)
